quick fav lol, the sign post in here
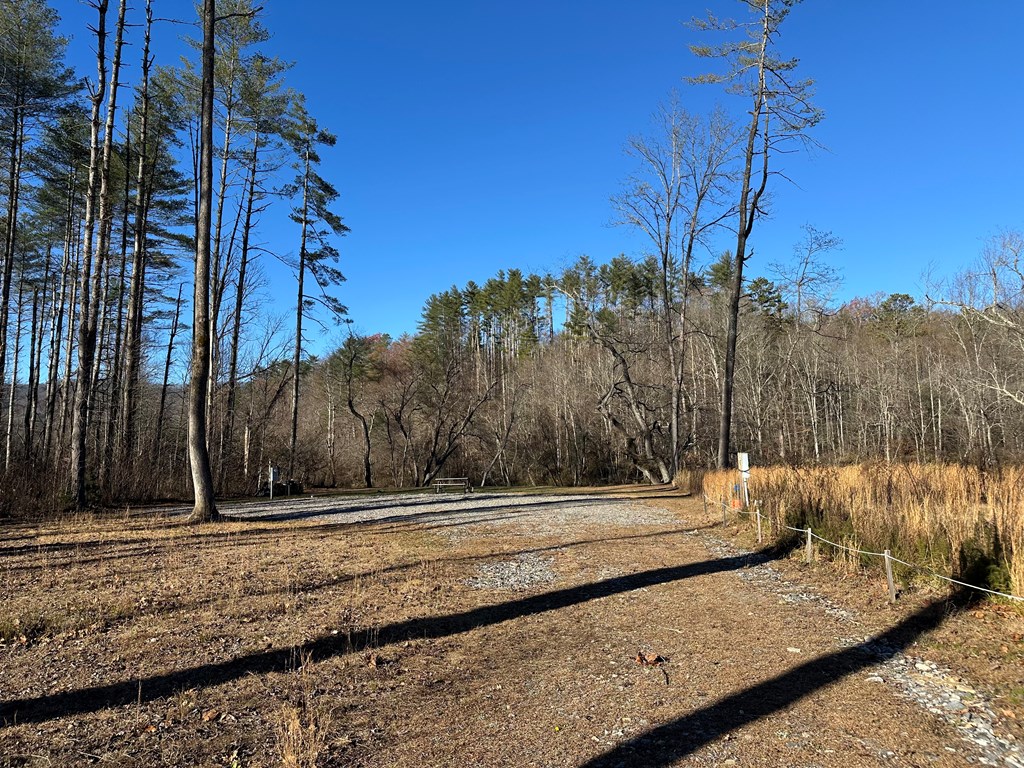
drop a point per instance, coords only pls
(743, 464)
(273, 478)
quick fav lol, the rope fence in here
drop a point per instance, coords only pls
(811, 536)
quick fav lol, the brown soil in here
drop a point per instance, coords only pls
(143, 641)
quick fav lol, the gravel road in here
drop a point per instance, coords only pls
(542, 512)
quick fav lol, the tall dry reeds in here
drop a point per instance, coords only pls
(947, 517)
(689, 480)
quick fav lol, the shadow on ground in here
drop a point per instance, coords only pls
(130, 692)
(668, 743)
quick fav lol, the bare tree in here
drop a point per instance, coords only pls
(990, 297)
(675, 198)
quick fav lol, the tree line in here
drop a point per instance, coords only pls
(128, 204)
(568, 378)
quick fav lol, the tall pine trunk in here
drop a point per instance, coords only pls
(298, 316)
(137, 288)
(86, 338)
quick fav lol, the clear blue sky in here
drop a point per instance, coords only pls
(476, 135)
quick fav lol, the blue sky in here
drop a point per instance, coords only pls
(476, 136)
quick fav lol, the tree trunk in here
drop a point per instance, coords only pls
(14, 374)
(88, 296)
(205, 508)
(747, 212)
(236, 323)
(298, 316)
(137, 288)
(168, 360)
(17, 151)
(57, 328)
(34, 361)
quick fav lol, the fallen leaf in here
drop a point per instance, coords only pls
(209, 715)
(650, 660)
(1010, 714)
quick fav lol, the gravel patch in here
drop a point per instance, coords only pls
(525, 571)
(769, 580)
(949, 697)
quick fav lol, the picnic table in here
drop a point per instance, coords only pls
(443, 483)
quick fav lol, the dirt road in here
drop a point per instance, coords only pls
(505, 630)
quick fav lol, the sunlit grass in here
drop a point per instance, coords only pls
(949, 517)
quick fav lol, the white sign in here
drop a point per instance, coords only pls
(743, 463)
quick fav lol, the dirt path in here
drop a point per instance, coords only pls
(489, 630)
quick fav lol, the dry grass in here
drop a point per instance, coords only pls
(689, 480)
(944, 516)
(303, 729)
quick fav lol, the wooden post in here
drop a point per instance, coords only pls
(705, 499)
(757, 513)
(725, 514)
(888, 576)
(810, 547)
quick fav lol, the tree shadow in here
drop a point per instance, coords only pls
(127, 692)
(310, 588)
(666, 744)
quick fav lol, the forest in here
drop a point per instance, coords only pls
(612, 369)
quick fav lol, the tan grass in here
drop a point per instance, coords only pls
(942, 516)
(302, 729)
(689, 480)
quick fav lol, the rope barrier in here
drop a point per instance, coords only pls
(884, 555)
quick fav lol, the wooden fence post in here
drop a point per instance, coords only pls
(725, 514)
(757, 512)
(810, 547)
(888, 576)
(705, 499)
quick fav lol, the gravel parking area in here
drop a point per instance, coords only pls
(544, 513)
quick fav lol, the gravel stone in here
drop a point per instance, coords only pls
(526, 571)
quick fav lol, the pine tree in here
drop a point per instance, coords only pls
(780, 112)
(318, 226)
